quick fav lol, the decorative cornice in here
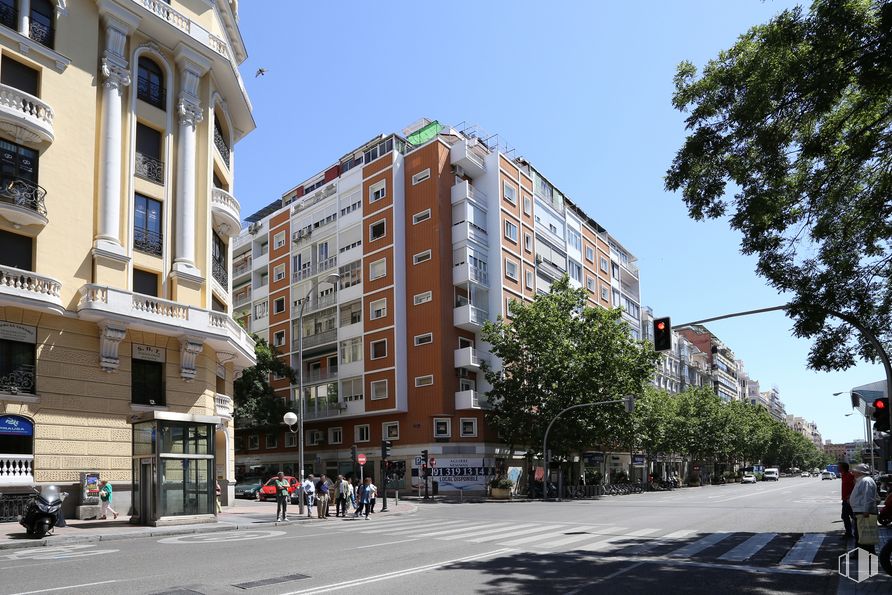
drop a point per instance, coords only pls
(110, 337)
(190, 112)
(190, 347)
(223, 357)
(116, 75)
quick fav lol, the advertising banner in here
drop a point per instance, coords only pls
(455, 473)
(13, 425)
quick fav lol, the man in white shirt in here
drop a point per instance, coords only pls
(309, 487)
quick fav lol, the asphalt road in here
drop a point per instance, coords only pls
(766, 538)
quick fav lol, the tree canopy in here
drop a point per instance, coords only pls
(796, 117)
(255, 402)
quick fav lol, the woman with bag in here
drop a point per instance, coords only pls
(864, 504)
(105, 500)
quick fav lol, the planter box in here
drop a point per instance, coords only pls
(500, 493)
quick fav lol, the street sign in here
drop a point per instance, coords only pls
(360, 459)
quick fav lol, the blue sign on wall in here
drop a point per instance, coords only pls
(13, 425)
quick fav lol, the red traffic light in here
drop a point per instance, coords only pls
(879, 404)
(661, 326)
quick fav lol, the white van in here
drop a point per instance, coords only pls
(771, 474)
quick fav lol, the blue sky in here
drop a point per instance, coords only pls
(581, 89)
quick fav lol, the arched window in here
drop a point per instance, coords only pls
(150, 82)
(41, 18)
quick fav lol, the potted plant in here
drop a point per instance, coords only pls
(500, 488)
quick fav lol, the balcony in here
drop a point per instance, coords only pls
(304, 272)
(146, 313)
(29, 289)
(221, 145)
(22, 202)
(220, 273)
(465, 272)
(465, 191)
(322, 375)
(319, 339)
(241, 267)
(241, 297)
(24, 116)
(469, 318)
(469, 154)
(18, 381)
(223, 406)
(320, 410)
(469, 399)
(16, 470)
(329, 263)
(148, 241)
(149, 168)
(466, 231)
(226, 212)
(467, 357)
(317, 303)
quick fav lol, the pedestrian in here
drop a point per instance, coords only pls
(374, 495)
(282, 496)
(864, 507)
(310, 493)
(105, 500)
(322, 497)
(219, 493)
(848, 517)
(342, 495)
(364, 497)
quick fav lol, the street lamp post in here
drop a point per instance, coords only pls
(868, 434)
(290, 419)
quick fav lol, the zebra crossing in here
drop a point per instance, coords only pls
(783, 550)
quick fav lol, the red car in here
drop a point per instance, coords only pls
(268, 491)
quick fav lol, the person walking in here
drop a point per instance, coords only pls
(322, 497)
(364, 498)
(342, 495)
(848, 517)
(373, 497)
(282, 496)
(864, 504)
(310, 493)
(105, 500)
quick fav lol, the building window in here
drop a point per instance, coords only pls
(421, 176)
(147, 162)
(264, 248)
(574, 239)
(377, 269)
(511, 269)
(510, 193)
(575, 270)
(590, 283)
(424, 339)
(361, 433)
(508, 305)
(219, 258)
(421, 257)
(422, 216)
(253, 441)
(442, 427)
(290, 440)
(615, 268)
(279, 305)
(41, 23)
(335, 435)
(378, 309)
(377, 191)
(314, 438)
(351, 350)
(352, 389)
(511, 231)
(590, 254)
(527, 242)
(150, 83)
(391, 430)
(468, 427)
(605, 266)
(529, 279)
(147, 235)
(351, 274)
(279, 338)
(378, 390)
(17, 370)
(527, 206)
(351, 313)
(279, 272)
(377, 230)
(421, 298)
(16, 251)
(424, 380)
(147, 383)
(378, 349)
(272, 441)
(145, 282)
(278, 240)
(17, 75)
(261, 310)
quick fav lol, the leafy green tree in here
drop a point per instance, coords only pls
(255, 402)
(797, 118)
(556, 352)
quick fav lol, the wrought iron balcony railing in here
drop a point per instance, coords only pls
(221, 145)
(150, 242)
(220, 273)
(24, 194)
(41, 33)
(151, 92)
(19, 380)
(149, 168)
(9, 16)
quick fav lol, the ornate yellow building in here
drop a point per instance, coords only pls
(117, 123)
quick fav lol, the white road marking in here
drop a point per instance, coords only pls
(220, 537)
(804, 551)
(641, 532)
(385, 544)
(748, 548)
(475, 532)
(601, 544)
(417, 528)
(748, 494)
(396, 574)
(575, 538)
(515, 533)
(679, 534)
(699, 545)
(56, 552)
(494, 534)
(478, 528)
(66, 588)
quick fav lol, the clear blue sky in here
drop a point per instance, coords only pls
(581, 89)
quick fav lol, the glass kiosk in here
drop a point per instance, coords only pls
(173, 468)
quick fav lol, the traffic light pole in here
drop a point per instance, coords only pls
(385, 473)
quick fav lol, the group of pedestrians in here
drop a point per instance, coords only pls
(859, 505)
(318, 493)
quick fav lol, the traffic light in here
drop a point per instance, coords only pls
(424, 457)
(881, 414)
(353, 454)
(385, 449)
(662, 334)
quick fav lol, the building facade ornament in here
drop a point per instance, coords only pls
(110, 337)
(190, 347)
(189, 111)
(117, 76)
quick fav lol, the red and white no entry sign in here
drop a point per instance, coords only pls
(360, 459)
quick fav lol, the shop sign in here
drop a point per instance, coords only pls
(593, 458)
(11, 331)
(13, 425)
(455, 473)
(638, 460)
(148, 353)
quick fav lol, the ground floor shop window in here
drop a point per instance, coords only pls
(17, 358)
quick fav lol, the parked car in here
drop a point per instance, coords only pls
(804, 474)
(748, 478)
(827, 475)
(248, 490)
(268, 491)
(771, 474)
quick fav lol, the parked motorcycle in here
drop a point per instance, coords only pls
(44, 512)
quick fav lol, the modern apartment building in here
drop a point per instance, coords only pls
(775, 406)
(117, 345)
(431, 233)
(720, 359)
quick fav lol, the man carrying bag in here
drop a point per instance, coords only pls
(864, 505)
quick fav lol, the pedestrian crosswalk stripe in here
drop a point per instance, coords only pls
(476, 528)
(513, 533)
(748, 548)
(415, 530)
(396, 528)
(699, 545)
(804, 551)
(601, 544)
(641, 532)
(679, 534)
(575, 538)
(474, 532)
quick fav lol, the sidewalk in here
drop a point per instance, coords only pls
(243, 515)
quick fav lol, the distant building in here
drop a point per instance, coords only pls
(775, 406)
(722, 365)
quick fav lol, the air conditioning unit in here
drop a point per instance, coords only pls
(253, 228)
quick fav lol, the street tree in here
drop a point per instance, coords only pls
(790, 139)
(556, 352)
(255, 402)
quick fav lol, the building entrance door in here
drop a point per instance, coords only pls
(146, 491)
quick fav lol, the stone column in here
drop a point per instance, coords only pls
(25, 17)
(192, 67)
